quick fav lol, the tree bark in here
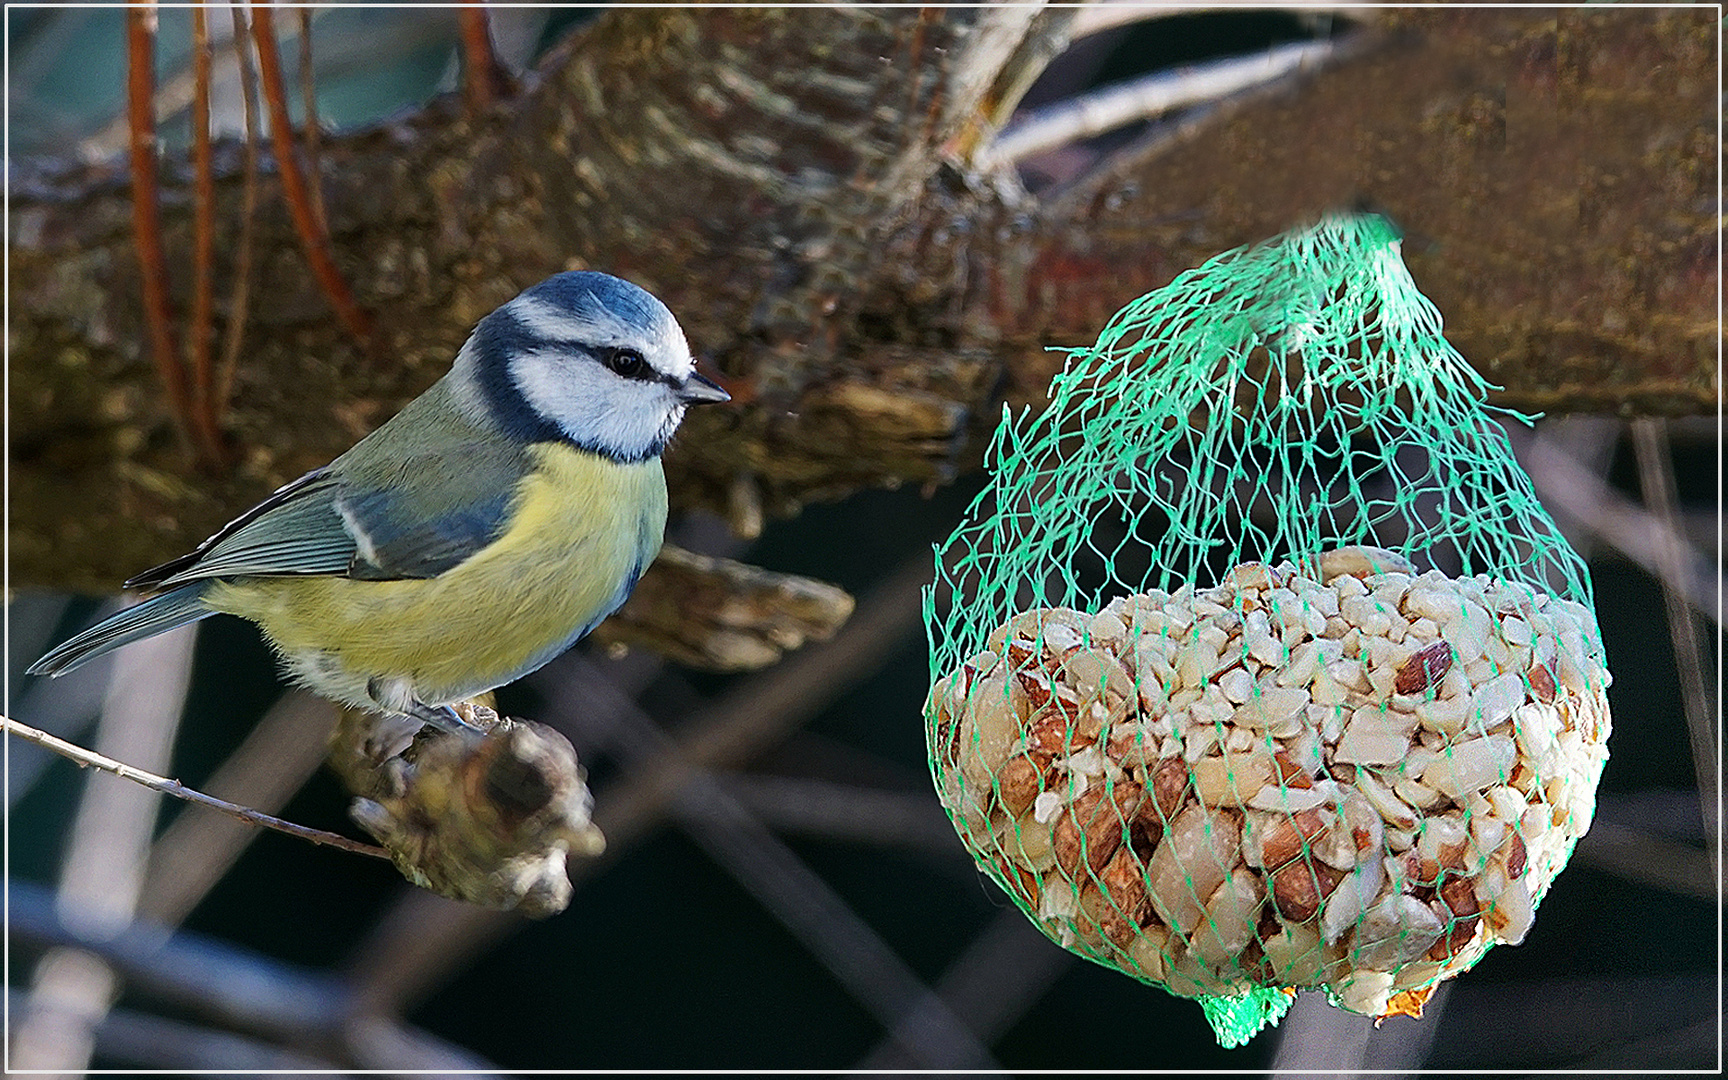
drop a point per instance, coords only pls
(801, 186)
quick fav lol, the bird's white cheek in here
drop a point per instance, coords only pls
(623, 418)
(628, 422)
(555, 387)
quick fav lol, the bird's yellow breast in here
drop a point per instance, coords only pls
(579, 527)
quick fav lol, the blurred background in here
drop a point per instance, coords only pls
(781, 889)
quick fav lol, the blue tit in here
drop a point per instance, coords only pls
(482, 531)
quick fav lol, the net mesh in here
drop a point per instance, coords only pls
(1258, 665)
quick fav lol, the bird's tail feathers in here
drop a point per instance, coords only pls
(154, 616)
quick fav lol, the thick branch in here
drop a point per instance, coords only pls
(794, 183)
(721, 615)
(1554, 172)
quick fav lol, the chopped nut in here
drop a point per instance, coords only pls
(1148, 952)
(1231, 913)
(1092, 672)
(1472, 765)
(1517, 857)
(1400, 763)
(1459, 897)
(1232, 779)
(1299, 888)
(1198, 850)
(1424, 669)
(1056, 732)
(1169, 786)
(1394, 932)
(1291, 774)
(1361, 561)
(1117, 903)
(1374, 736)
(1542, 684)
(1285, 838)
(1027, 843)
(1089, 833)
(1272, 705)
(1019, 781)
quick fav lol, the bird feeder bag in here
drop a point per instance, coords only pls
(1258, 666)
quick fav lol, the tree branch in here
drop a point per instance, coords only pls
(795, 183)
(162, 784)
(721, 615)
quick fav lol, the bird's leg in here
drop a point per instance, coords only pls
(396, 696)
(442, 717)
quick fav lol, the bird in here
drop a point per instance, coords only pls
(473, 537)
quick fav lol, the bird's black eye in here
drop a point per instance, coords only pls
(627, 363)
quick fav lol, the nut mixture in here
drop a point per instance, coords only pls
(1352, 777)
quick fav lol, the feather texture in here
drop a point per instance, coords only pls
(421, 494)
(581, 530)
(153, 616)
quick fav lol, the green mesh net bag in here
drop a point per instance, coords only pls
(1258, 666)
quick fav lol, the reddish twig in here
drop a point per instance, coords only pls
(207, 409)
(484, 79)
(313, 241)
(240, 303)
(309, 106)
(91, 758)
(147, 233)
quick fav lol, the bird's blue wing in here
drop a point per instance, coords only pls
(294, 531)
(443, 508)
(423, 515)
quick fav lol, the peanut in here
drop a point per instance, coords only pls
(1424, 669)
(1020, 780)
(1117, 903)
(1169, 787)
(1286, 838)
(1299, 889)
(1542, 684)
(1093, 827)
(1459, 896)
(1517, 856)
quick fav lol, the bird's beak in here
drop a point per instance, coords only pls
(700, 391)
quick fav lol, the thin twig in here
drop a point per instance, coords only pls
(135, 1039)
(269, 766)
(203, 229)
(1620, 522)
(105, 851)
(313, 241)
(876, 976)
(147, 232)
(855, 813)
(1111, 14)
(998, 979)
(314, 134)
(425, 938)
(854, 953)
(1152, 95)
(1656, 480)
(240, 303)
(178, 790)
(232, 988)
(478, 61)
